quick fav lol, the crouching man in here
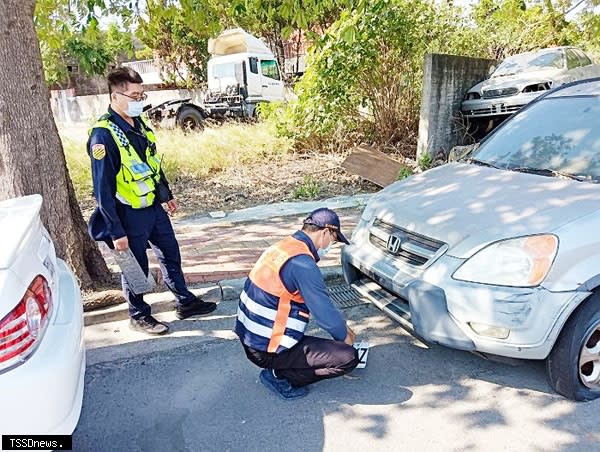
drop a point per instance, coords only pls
(283, 290)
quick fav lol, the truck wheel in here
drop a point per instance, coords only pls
(251, 111)
(254, 111)
(189, 118)
(573, 367)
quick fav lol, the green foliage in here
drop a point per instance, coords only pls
(404, 172)
(506, 27)
(118, 43)
(274, 113)
(89, 50)
(363, 82)
(364, 77)
(178, 35)
(425, 162)
(269, 110)
(69, 34)
(309, 188)
(55, 64)
(52, 21)
(178, 32)
(590, 34)
(145, 53)
(278, 20)
(365, 73)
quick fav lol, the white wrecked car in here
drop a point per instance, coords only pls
(521, 78)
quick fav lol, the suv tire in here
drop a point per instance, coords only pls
(564, 366)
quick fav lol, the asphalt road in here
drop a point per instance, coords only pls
(195, 391)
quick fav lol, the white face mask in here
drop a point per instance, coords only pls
(323, 251)
(135, 108)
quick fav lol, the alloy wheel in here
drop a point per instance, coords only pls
(589, 359)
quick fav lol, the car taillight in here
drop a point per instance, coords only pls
(23, 327)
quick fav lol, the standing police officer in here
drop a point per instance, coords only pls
(129, 186)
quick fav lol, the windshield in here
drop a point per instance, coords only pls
(559, 135)
(529, 63)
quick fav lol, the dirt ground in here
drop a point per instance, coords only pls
(290, 177)
(295, 176)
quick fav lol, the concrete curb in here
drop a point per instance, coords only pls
(276, 210)
(224, 290)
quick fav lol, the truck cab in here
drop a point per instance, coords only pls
(241, 71)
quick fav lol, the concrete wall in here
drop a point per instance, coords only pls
(446, 78)
(82, 85)
(70, 109)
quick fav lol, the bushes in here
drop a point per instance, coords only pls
(363, 81)
(364, 75)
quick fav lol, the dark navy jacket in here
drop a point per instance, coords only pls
(105, 224)
(301, 273)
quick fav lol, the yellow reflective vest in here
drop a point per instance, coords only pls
(136, 180)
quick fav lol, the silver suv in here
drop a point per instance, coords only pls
(500, 254)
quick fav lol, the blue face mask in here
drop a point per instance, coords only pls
(135, 108)
(321, 252)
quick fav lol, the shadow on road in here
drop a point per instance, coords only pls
(204, 395)
(208, 397)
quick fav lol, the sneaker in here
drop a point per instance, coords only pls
(281, 386)
(196, 307)
(149, 325)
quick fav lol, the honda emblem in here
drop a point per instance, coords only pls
(394, 244)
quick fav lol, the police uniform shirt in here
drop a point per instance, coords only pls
(106, 163)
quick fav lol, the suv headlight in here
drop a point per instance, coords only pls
(518, 262)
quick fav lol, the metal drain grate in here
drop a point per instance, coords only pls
(345, 296)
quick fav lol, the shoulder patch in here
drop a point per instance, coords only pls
(98, 151)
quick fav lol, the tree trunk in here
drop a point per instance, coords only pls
(280, 52)
(298, 44)
(275, 42)
(31, 154)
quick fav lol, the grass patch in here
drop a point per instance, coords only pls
(308, 189)
(425, 162)
(78, 164)
(191, 154)
(404, 172)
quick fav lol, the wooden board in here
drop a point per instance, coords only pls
(372, 165)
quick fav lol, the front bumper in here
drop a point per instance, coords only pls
(440, 309)
(498, 106)
(44, 395)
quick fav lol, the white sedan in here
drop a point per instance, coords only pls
(42, 352)
(521, 78)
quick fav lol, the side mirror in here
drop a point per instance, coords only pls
(491, 69)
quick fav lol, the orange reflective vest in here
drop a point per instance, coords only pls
(269, 317)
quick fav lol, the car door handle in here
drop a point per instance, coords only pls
(265, 86)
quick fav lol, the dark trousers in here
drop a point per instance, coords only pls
(152, 225)
(311, 360)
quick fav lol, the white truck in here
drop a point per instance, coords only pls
(241, 73)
